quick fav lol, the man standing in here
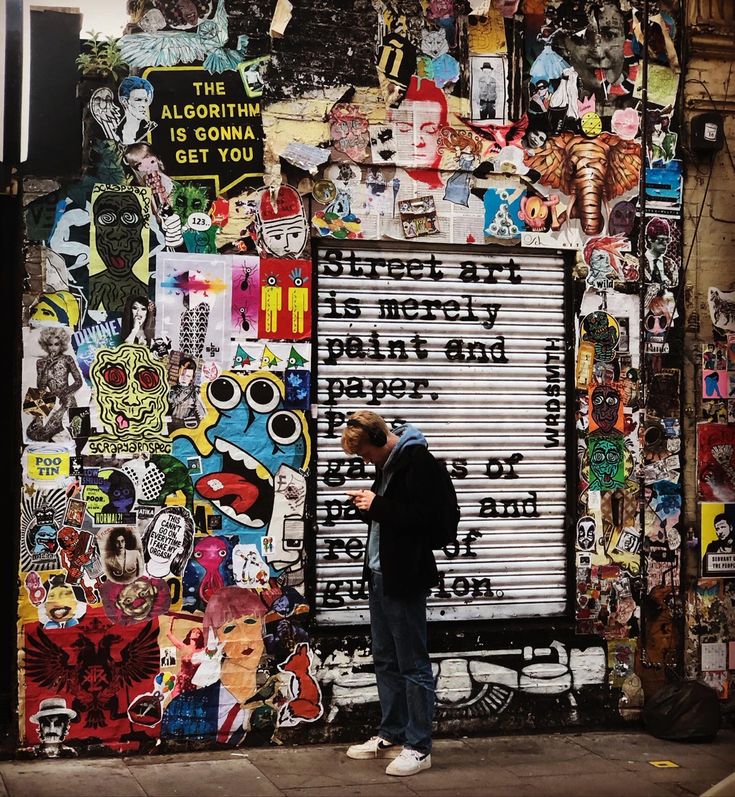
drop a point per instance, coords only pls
(487, 91)
(660, 268)
(725, 542)
(401, 509)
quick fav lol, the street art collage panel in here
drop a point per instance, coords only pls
(166, 390)
(167, 372)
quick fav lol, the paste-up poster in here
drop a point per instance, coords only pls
(283, 546)
(606, 461)
(245, 278)
(418, 216)
(52, 384)
(488, 88)
(110, 495)
(130, 402)
(716, 461)
(722, 308)
(269, 356)
(605, 409)
(715, 378)
(486, 34)
(717, 539)
(118, 246)
(285, 300)
(47, 465)
(383, 143)
(69, 658)
(660, 312)
(41, 517)
(342, 193)
(502, 211)
(193, 300)
(298, 388)
(348, 127)
(90, 339)
(623, 344)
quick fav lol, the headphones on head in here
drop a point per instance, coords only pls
(376, 436)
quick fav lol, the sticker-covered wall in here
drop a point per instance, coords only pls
(709, 413)
(464, 214)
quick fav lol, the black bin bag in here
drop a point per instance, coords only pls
(684, 711)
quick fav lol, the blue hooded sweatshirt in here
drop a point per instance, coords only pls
(408, 435)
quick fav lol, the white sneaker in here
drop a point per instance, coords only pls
(377, 747)
(409, 762)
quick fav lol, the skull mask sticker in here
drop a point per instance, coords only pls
(131, 390)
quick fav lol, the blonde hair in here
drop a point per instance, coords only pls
(135, 153)
(354, 436)
(53, 333)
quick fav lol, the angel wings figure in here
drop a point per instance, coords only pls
(127, 123)
(168, 48)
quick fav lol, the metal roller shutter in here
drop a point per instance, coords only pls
(470, 347)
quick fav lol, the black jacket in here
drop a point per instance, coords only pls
(722, 546)
(406, 512)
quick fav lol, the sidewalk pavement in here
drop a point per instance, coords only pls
(569, 765)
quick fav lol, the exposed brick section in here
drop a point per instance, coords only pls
(326, 43)
(252, 19)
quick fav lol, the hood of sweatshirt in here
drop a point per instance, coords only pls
(408, 435)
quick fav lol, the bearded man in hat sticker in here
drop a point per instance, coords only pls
(53, 719)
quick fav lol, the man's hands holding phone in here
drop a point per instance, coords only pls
(362, 499)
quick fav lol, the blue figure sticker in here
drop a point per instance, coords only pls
(298, 384)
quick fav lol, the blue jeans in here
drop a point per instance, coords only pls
(402, 667)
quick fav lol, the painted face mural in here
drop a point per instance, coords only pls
(418, 122)
(130, 390)
(235, 615)
(605, 407)
(245, 437)
(120, 217)
(607, 462)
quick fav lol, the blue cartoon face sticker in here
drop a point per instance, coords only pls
(245, 436)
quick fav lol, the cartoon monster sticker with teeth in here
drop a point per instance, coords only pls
(244, 438)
